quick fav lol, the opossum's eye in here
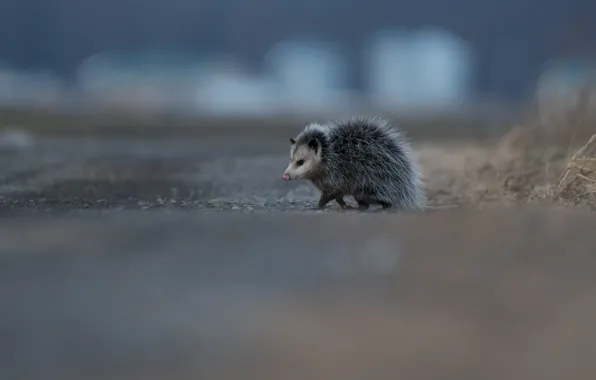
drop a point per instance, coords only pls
(299, 162)
(292, 141)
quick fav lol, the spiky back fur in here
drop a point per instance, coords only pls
(367, 158)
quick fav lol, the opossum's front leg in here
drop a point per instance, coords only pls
(325, 198)
(340, 200)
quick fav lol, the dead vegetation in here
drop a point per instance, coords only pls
(578, 182)
(531, 163)
(571, 179)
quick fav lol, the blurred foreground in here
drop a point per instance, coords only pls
(506, 294)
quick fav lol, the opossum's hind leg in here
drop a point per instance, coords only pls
(362, 204)
(325, 198)
(385, 205)
(340, 200)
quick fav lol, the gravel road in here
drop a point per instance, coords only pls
(204, 172)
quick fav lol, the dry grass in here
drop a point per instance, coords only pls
(529, 164)
(578, 182)
(536, 149)
(474, 174)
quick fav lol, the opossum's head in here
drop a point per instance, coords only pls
(305, 159)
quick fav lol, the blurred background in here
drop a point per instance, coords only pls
(256, 57)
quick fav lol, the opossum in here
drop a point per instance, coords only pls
(366, 158)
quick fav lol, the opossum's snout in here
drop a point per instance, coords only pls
(287, 176)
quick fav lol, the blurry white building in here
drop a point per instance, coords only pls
(310, 75)
(38, 89)
(430, 68)
(139, 81)
(225, 88)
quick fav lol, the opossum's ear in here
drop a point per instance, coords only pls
(313, 144)
(292, 141)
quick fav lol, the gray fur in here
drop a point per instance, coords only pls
(366, 158)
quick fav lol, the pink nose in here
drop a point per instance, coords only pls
(286, 177)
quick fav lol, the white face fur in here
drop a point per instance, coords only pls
(304, 160)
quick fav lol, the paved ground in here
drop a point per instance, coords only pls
(110, 174)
